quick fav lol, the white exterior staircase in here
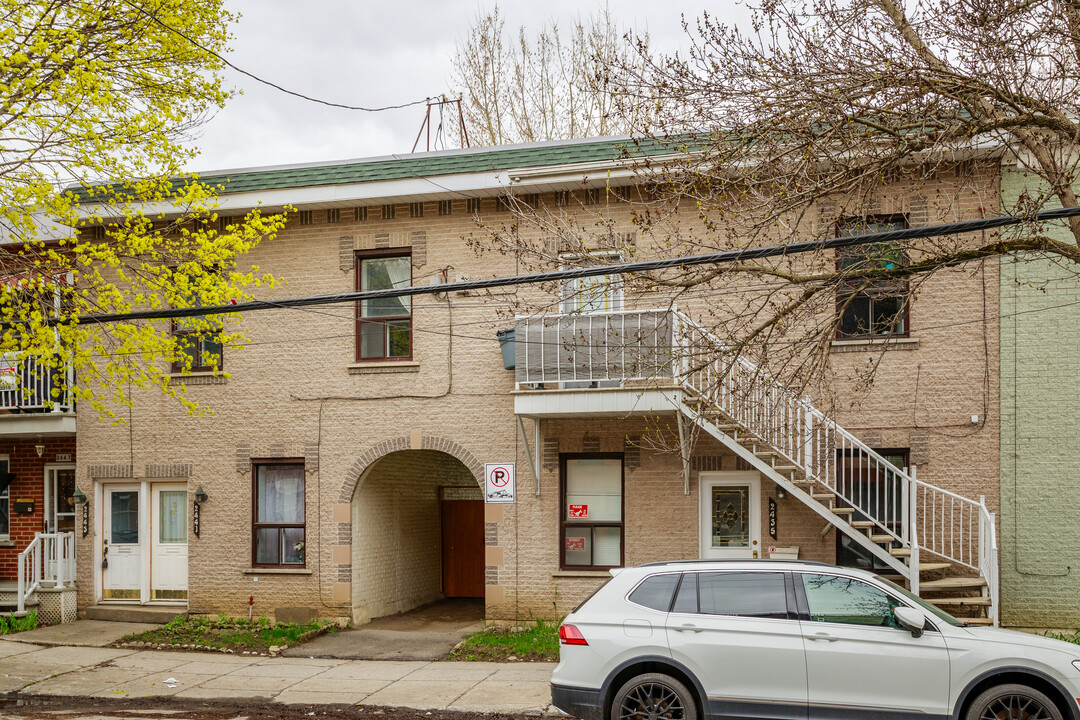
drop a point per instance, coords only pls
(911, 526)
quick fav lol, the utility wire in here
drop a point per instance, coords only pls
(267, 82)
(719, 258)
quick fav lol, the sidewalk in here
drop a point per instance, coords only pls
(112, 673)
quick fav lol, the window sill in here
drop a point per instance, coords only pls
(7, 543)
(859, 344)
(197, 378)
(389, 366)
(276, 571)
(581, 574)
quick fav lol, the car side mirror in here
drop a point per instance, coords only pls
(911, 619)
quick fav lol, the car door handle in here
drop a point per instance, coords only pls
(824, 636)
(688, 628)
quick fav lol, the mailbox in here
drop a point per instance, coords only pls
(23, 506)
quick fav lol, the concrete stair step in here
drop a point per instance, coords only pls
(863, 524)
(844, 511)
(952, 583)
(764, 453)
(882, 538)
(900, 552)
(135, 613)
(961, 601)
(784, 468)
(821, 496)
(928, 566)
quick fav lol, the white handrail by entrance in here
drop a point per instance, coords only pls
(49, 558)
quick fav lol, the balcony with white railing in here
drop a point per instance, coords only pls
(35, 399)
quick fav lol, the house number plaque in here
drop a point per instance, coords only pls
(772, 518)
(195, 519)
(85, 519)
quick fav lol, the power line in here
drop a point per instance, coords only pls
(256, 78)
(719, 258)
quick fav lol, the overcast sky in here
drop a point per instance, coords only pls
(372, 53)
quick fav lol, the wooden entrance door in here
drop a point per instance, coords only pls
(463, 548)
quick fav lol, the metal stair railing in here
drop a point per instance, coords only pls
(951, 526)
(49, 558)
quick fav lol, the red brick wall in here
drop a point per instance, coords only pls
(29, 470)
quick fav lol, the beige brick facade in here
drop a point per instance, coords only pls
(379, 440)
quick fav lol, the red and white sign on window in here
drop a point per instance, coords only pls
(575, 544)
(579, 511)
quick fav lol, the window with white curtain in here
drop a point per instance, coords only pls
(384, 325)
(278, 527)
(597, 294)
(592, 511)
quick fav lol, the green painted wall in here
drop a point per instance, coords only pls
(1039, 521)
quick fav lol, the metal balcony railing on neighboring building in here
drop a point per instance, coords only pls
(885, 509)
(30, 386)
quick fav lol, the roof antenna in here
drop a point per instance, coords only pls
(426, 124)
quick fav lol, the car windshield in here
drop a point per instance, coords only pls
(935, 611)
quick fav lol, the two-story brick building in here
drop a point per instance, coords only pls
(343, 466)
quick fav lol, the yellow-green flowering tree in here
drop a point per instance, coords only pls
(96, 100)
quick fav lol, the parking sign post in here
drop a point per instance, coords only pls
(499, 482)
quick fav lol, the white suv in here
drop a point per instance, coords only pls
(800, 640)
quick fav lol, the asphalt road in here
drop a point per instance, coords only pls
(65, 708)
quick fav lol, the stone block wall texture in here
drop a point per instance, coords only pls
(1040, 394)
(377, 439)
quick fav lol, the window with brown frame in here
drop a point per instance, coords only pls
(878, 309)
(384, 325)
(591, 521)
(198, 343)
(277, 511)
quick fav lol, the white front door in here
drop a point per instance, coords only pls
(122, 549)
(168, 531)
(730, 514)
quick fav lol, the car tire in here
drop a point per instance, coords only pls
(655, 696)
(1014, 701)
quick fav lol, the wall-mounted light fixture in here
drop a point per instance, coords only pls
(781, 493)
(78, 497)
(40, 447)
(201, 496)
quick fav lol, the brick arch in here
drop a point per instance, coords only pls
(396, 444)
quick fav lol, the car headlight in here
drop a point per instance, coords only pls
(1076, 664)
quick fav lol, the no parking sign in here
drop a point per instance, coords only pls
(499, 482)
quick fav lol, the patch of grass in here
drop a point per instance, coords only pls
(9, 625)
(535, 643)
(236, 634)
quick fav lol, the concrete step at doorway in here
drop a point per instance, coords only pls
(159, 614)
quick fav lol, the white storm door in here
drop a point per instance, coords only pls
(122, 547)
(730, 515)
(168, 542)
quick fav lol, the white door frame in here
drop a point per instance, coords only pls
(145, 529)
(706, 481)
(50, 501)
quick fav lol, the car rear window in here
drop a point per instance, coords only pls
(756, 595)
(655, 592)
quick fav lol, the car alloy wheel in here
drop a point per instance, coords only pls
(1013, 702)
(653, 696)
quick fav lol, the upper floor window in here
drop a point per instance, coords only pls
(384, 325)
(879, 309)
(198, 342)
(596, 294)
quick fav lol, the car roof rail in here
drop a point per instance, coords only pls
(699, 561)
